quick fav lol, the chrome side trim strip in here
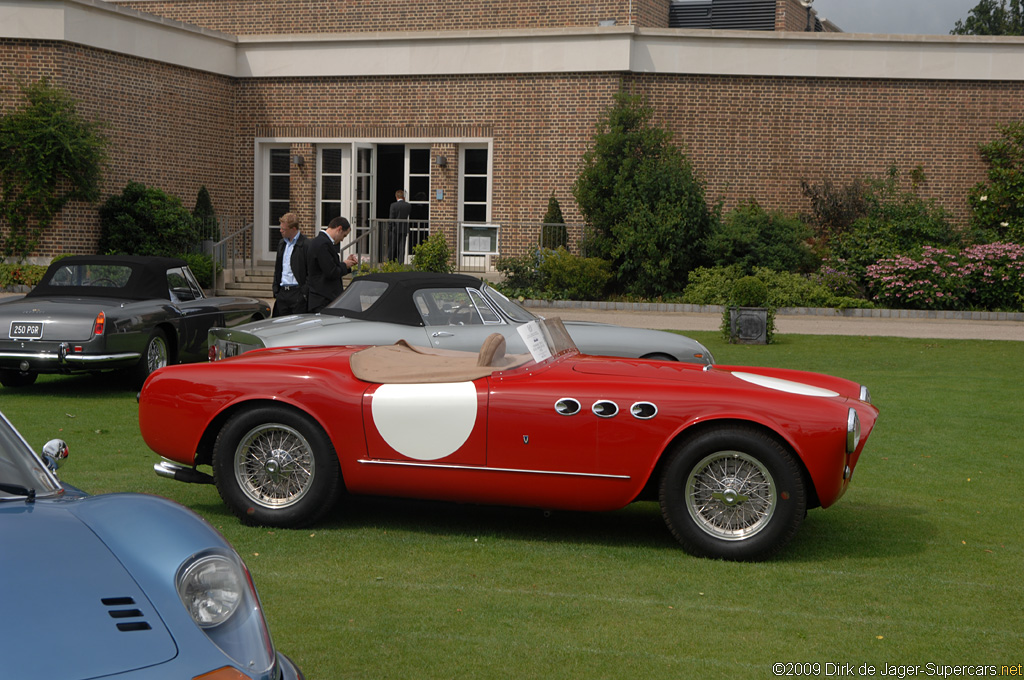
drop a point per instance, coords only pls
(480, 468)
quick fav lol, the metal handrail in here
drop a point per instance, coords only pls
(379, 238)
(233, 246)
(371, 241)
(362, 240)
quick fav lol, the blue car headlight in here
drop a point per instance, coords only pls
(219, 595)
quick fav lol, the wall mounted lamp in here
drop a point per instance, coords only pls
(298, 160)
(442, 161)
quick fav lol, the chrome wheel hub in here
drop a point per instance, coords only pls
(730, 496)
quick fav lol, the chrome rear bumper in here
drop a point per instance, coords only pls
(62, 358)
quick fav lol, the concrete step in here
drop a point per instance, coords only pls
(258, 278)
(239, 290)
(257, 283)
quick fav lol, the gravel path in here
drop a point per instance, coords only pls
(804, 324)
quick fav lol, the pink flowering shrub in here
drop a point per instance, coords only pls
(924, 282)
(986, 277)
(994, 276)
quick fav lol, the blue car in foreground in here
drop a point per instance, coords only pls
(129, 586)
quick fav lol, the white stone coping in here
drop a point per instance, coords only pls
(626, 49)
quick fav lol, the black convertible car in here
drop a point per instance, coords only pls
(95, 313)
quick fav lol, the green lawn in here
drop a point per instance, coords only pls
(919, 563)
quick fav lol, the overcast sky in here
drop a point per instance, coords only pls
(934, 17)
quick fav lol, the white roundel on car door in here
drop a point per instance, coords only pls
(425, 421)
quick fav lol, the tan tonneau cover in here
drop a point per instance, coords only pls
(403, 363)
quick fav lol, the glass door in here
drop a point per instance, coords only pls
(418, 181)
(332, 197)
(363, 195)
(277, 187)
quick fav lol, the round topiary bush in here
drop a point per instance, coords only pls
(750, 291)
(748, 326)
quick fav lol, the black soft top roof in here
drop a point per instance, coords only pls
(395, 303)
(147, 281)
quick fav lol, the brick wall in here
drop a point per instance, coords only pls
(790, 15)
(650, 13)
(260, 17)
(447, 180)
(750, 137)
(168, 127)
(540, 125)
(759, 137)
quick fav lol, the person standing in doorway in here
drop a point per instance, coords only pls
(324, 266)
(398, 216)
(290, 269)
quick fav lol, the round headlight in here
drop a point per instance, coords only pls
(211, 588)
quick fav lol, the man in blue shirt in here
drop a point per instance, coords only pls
(290, 269)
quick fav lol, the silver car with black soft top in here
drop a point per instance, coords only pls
(446, 311)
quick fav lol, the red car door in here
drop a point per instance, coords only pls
(427, 423)
(547, 433)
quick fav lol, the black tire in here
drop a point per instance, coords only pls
(733, 493)
(276, 467)
(12, 378)
(156, 355)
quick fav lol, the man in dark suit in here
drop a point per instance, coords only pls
(398, 227)
(290, 269)
(324, 266)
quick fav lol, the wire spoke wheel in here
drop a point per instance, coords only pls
(274, 465)
(733, 493)
(156, 353)
(730, 495)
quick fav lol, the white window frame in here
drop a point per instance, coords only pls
(345, 202)
(261, 207)
(462, 179)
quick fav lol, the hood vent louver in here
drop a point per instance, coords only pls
(129, 618)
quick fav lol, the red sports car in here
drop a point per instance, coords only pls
(734, 455)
